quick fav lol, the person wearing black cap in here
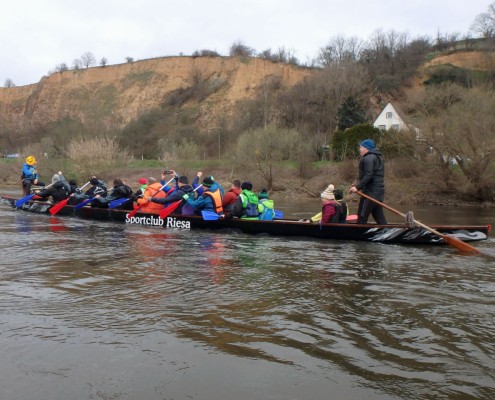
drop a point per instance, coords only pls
(95, 189)
(371, 182)
(246, 205)
(183, 189)
(210, 200)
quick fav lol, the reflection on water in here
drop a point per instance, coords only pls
(101, 310)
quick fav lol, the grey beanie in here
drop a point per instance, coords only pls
(55, 178)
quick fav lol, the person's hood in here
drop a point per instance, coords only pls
(374, 151)
(27, 165)
(253, 199)
(237, 191)
(186, 188)
(58, 185)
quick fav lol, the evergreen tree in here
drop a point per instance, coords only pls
(350, 113)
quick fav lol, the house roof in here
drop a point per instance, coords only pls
(402, 116)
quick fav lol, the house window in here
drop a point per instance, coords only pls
(382, 127)
(389, 115)
(396, 127)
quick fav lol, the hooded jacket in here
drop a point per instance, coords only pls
(58, 192)
(240, 205)
(119, 192)
(28, 171)
(230, 198)
(372, 173)
(177, 195)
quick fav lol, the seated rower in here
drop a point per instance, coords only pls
(144, 184)
(153, 189)
(30, 176)
(231, 196)
(95, 189)
(58, 190)
(210, 200)
(331, 211)
(120, 191)
(183, 188)
(214, 187)
(246, 205)
(344, 211)
(266, 208)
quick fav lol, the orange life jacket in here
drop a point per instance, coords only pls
(150, 192)
(216, 198)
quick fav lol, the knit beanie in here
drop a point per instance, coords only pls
(151, 180)
(55, 178)
(94, 181)
(142, 181)
(246, 185)
(208, 182)
(367, 144)
(183, 179)
(328, 193)
(72, 182)
(263, 194)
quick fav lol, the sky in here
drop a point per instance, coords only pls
(36, 35)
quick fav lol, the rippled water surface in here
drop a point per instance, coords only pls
(108, 311)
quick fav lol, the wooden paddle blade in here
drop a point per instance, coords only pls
(133, 212)
(55, 209)
(459, 244)
(166, 211)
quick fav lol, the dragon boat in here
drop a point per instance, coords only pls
(392, 233)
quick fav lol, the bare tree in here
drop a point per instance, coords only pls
(339, 49)
(129, 59)
(484, 23)
(76, 64)
(103, 61)
(8, 83)
(88, 59)
(239, 49)
(61, 67)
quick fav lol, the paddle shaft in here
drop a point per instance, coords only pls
(146, 201)
(171, 207)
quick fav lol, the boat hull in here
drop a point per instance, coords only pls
(393, 233)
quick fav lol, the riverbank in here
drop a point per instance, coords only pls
(290, 180)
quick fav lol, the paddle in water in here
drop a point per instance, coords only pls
(451, 240)
(55, 209)
(25, 199)
(131, 214)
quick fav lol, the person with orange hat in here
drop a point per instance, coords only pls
(30, 175)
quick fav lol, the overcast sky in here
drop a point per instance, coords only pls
(35, 35)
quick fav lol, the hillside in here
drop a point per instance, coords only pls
(114, 95)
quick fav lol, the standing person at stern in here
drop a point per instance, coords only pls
(371, 182)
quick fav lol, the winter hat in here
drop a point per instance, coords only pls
(328, 193)
(142, 181)
(208, 182)
(263, 194)
(183, 179)
(246, 186)
(94, 181)
(151, 180)
(72, 182)
(55, 178)
(367, 144)
(339, 194)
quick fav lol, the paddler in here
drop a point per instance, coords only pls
(183, 189)
(30, 175)
(210, 200)
(246, 205)
(58, 190)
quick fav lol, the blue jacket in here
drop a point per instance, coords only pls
(214, 187)
(202, 203)
(167, 188)
(28, 171)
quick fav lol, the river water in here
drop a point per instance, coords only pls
(93, 310)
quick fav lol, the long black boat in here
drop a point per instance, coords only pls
(392, 233)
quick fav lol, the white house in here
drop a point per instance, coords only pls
(391, 118)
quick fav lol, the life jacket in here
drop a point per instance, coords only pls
(266, 210)
(335, 218)
(249, 204)
(150, 191)
(216, 199)
(344, 211)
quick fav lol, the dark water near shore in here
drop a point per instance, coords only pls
(92, 310)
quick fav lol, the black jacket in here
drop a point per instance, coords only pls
(122, 192)
(58, 192)
(372, 173)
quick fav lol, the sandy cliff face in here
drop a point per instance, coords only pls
(479, 60)
(116, 94)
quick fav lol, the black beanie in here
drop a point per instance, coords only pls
(183, 179)
(94, 181)
(72, 182)
(246, 185)
(208, 182)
